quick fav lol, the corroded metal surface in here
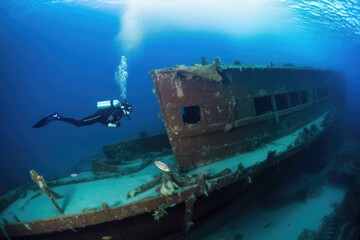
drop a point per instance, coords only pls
(225, 121)
(227, 125)
(82, 220)
(213, 183)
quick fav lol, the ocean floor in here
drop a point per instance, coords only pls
(281, 223)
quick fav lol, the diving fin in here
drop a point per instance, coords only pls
(43, 122)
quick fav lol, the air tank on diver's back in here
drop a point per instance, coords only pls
(107, 104)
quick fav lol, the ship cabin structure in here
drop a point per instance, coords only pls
(228, 129)
(213, 112)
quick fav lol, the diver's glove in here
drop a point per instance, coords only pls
(126, 108)
(116, 124)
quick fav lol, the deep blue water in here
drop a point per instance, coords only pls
(62, 56)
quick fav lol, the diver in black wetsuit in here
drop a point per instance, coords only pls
(109, 114)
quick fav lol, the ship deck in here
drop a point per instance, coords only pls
(89, 196)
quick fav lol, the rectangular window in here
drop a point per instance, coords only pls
(190, 115)
(314, 95)
(262, 105)
(281, 101)
(294, 98)
(319, 93)
(303, 97)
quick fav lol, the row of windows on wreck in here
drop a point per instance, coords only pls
(264, 104)
(286, 100)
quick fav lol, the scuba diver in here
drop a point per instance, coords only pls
(109, 113)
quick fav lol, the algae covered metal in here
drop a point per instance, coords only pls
(216, 111)
(227, 127)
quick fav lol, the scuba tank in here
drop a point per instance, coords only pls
(108, 104)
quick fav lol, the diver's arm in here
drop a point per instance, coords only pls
(114, 119)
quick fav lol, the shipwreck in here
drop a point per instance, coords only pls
(227, 126)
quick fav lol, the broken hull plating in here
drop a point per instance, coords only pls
(212, 121)
(131, 221)
(173, 224)
(208, 121)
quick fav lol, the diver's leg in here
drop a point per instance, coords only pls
(94, 118)
(71, 121)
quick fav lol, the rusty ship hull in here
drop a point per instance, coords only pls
(219, 111)
(228, 128)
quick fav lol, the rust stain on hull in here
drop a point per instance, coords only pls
(209, 120)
